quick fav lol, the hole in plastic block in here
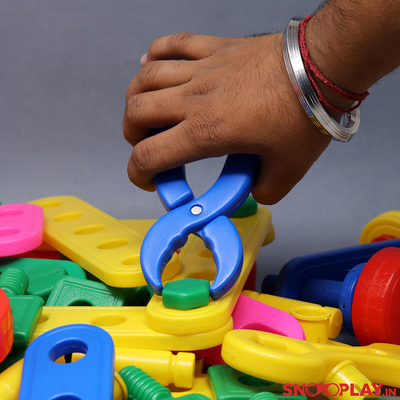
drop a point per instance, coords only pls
(8, 231)
(131, 260)
(112, 244)
(69, 346)
(109, 320)
(68, 216)
(87, 230)
(50, 204)
(10, 213)
(81, 303)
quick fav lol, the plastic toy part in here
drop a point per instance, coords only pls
(249, 207)
(142, 386)
(44, 378)
(70, 291)
(376, 302)
(186, 294)
(6, 327)
(201, 385)
(26, 311)
(228, 383)
(282, 359)
(196, 262)
(386, 224)
(129, 328)
(165, 367)
(310, 330)
(328, 278)
(205, 217)
(14, 281)
(99, 243)
(21, 228)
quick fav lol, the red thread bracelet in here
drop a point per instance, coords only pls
(310, 66)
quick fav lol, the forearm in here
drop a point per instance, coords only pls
(354, 43)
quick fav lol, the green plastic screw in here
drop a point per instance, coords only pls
(249, 207)
(141, 386)
(14, 281)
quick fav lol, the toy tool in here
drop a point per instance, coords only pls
(90, 378)
(206, 217)
(21, 228)
(333, 278)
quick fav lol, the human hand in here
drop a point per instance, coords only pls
(223, 96)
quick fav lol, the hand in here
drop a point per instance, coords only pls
(224, 96)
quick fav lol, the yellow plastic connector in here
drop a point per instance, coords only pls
(385, 224)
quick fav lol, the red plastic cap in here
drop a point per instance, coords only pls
(376, 301)
(6, 327)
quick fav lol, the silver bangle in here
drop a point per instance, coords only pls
(350, 122)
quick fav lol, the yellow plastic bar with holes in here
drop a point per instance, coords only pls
(197, 262)
(97, 242)
(386, 224)
(319, 323)
(129, 328)
(285, 360)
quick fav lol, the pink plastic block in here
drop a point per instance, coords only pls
(253, 314)
(21, 228)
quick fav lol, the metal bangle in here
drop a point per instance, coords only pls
(350, 122)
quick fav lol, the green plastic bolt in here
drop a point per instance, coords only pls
(14, 281)
(141, 386)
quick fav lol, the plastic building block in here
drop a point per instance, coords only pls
(129, 327)
(163, 366)
(26, 264)
(329, 278)
(137, 296)
(253, 314)
(228, 383)
(6, 327)
(196, 262)
(26, 311)
(311, 315)
(13, 357)
(249, 207)
(142, 386)
(376, 301)
(282, 359)
(90, 378)
(69, 291)
(43, 277)
(99, 243)
(384, 225)
(206, 216)
(21, 228)
(201, 385)
(186, 294)
(14, 281)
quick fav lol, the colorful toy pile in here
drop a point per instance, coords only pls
(86, 325)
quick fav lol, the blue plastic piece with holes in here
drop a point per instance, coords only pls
(91, 377)
(328, 278)
(206, 217)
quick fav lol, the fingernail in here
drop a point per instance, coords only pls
(143, 59)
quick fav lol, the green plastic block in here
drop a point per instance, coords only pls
(249, 207)
(13, 281)
(26, 264)
(228, 383)
(137, 296)
(186, 294)
(13, 356)
(43, 277)
(26, 311)
(71, 291)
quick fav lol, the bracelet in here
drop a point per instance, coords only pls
(350, 122)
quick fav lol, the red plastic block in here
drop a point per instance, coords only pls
(6, 327)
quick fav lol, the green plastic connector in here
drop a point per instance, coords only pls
(228, 383)
(43, 277)
(186, 294)
(71, 291)
(26, 311)
(14, 281)
(249, 207)
(142, 386)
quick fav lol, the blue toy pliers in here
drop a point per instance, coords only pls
(206, 217)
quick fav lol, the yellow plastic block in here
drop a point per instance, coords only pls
(165, 367)
(97, 242)
(128, 328)
(197, 262)
(385, 224)
(201, 385)
(285, 360)
(319, 323)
